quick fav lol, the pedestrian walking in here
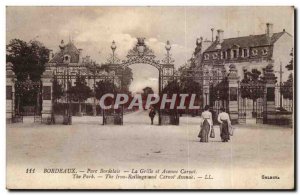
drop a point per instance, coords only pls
(206, 124)
(225, 124)
(152, 114)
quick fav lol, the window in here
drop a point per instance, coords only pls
(265, 51)
(215, 56)
(67, 59)
(223, 54)
(235, 53)
(254, 52)
(228, 54)
(245, 52)
(206, 56)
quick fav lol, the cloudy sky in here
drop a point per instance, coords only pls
(93, 29)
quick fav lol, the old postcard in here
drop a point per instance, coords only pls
(150, 98)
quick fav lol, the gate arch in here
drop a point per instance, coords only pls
(142, 54)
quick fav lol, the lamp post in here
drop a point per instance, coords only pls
(168, 48)
(280, 83)
(113, 48)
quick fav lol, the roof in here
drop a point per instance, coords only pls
(247, 41)
(69, 49)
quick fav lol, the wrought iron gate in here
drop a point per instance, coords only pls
(254, 92)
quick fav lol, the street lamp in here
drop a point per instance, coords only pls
(113, 48)
(168, 48)
(280, 83)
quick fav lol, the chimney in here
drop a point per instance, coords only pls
(205, 44)
(220, 35)
(80, 56)
(87, 58)
(62, 45)
(50, 54)
(269, 29)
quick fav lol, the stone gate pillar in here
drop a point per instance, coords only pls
(47, 96)
(233, 79)
(269, 94)
(10, 92)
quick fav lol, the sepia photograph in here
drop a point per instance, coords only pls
(150, 97)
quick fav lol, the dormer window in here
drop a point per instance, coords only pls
(235, 53)
(206, 56)
(223, 55)
(215, 56)
(67, 59)
(265, 51)
(254, 52)
(245, 52)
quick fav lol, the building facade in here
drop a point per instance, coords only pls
(68, 63)
(245, 53)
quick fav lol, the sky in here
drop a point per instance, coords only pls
(94, 28)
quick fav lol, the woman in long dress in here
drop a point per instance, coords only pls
(206, 124)
(225, 123)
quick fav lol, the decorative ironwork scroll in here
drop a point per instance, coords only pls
(141, 54)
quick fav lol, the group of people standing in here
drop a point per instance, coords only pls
(206, 125)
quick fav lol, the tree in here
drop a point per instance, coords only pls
(103, 87)
(26, 93)
(287, 88)
(147, 91)
(173, 87)
(290, 65)
(28, 61)
(27, 58)
(126, 78)
(80, 92)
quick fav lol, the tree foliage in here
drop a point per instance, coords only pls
(103, 87)
(80, 92)
(28, 61)
(287, 88)
(172, 87)
(126, 78)
(290, 65)
(27, 58)
(147, 91)
(251, 85)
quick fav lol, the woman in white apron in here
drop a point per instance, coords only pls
(205, 124)
(225, 123)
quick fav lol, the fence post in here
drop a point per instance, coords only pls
(206, 92)
(10, 92)
(47, 96)
(233, 79)
(269, 98)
